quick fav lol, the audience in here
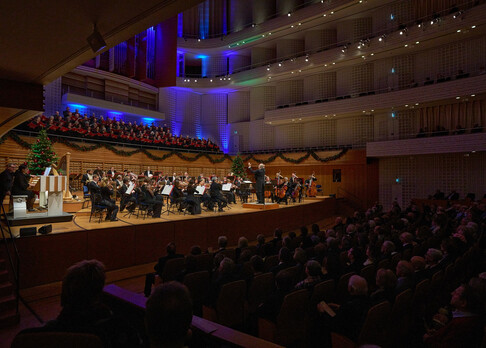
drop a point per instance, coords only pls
(99, 128)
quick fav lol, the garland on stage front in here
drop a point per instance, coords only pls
(213, 159)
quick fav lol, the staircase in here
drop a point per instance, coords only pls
(8, 303)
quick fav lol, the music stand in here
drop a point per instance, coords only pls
(226, 188)
(166, 192)
(245, 190)
(268, 187)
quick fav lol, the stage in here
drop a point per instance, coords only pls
(132, 241)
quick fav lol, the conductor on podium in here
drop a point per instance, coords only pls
(260, 181)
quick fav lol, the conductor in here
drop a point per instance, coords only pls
(260, 181)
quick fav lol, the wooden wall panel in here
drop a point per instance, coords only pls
(151, 241)
(189, 233)
(45, 258)
(112, 246)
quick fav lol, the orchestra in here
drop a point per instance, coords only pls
(190, 194)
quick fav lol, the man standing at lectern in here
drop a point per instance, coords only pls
(260, 182)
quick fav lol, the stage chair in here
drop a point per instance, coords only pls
(172, 268)
(86, 197)
(375, 327)
(322, 291)
(419, 300)
(385, 263)
(230, 306)
(56, 339)
(342, 287)
(204, 262)
(97, 209)
(290, 327)
(369, 272)
(270, 262)
(400, 319)
(261, 288)
(340, 341)
(198, 285)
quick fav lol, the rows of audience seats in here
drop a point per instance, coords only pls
(73, 124)
(411, 278)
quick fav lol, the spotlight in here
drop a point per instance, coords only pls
(253, 25)
(289, 14)
(403, 29)
(458, 15)
(280, 64)
(345, 47)
(96, 41)
(307, 58)
(382, 38)
(268, 67)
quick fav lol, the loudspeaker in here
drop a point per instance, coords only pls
(45, 229)
(28, 231)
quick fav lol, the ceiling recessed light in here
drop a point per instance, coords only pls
(458, 97)
(458, 30)
(417, 42)
(473, 95)
(473, 27)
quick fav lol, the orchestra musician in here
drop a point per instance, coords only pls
(260, 182)
(99, 197)
(87, 177)
(127, 200)
(192, 203)
(153, 200)
(311, 186)
(111, 173)
(216, 195)
(148, 173)
(21, 186)
(177, 195)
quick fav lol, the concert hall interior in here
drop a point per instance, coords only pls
(329, 155)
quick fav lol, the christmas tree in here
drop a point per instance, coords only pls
(238, 168)
(41, 155)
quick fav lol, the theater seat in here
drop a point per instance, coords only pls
(56, 340)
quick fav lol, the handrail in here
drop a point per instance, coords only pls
(217, 332)
(95, 141)
(15, 268)
(351, 196)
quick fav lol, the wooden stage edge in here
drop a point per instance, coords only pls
(132, 241)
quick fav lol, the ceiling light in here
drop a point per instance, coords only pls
(473, 95)
(289, 14)
(473, 27)
(458, 97)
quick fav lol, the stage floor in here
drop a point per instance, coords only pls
(81, 222)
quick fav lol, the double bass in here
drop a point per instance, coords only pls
(312, 189)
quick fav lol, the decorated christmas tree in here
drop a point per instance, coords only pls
(41, 155)
(238, 167)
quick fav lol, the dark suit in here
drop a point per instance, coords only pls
(217, 196)
(6, 182)
(260, 184)
(20, 187)
(453, 196)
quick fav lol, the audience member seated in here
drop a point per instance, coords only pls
(386, 282)
(465, 327)
(83, 312)
(346, 319)
(453, 196)
(313, 272)
(405, 279)
(168, 316)
(159, 267)
(225, 274)
(283, 286)
(284, 261)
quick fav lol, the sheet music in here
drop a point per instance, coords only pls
(247, 182)
(47, 171)
(226, 187)
(200, 190)
(130, 188)
(166, 191)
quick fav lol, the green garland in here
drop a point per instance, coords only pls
(221, 158)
